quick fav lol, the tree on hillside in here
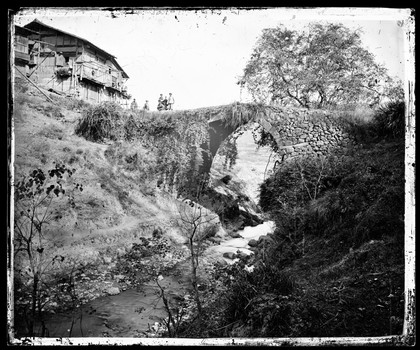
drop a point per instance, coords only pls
(323, 66)
(36, 198)
(195, 224)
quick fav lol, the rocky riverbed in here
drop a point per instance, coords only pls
(114, 305)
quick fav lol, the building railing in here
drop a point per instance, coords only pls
(100, 74)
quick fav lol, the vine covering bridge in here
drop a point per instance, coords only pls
(296, 131)
(194, 136)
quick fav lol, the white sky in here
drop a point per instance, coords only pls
(198, 55)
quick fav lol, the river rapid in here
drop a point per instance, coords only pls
(136, 312)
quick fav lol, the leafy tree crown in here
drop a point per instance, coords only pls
(322, 66)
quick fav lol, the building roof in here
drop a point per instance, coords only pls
(35, 24)
(24, 31)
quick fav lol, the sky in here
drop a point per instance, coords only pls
(198, 55)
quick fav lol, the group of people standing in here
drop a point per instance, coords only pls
(165, 104)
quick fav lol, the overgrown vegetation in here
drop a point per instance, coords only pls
(176, 140)
(335, 266)
(389, 119)
(36, 264)
(103, 121)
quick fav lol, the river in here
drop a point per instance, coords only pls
(132, 312)
(135, 311)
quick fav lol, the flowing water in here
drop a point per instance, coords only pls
(134, 311)
(232, 245)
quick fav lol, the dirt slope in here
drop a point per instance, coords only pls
(112, 209)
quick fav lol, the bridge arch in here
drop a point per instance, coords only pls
(296, 131)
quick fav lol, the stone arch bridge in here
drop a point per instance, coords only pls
(297, 131)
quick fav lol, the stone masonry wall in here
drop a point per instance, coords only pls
(300, 132)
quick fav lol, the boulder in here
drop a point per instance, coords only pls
(235, 235)
(226, 179)
(253, 243)
(221, 261)
(215, 240)
(229, 255)
(112, 291)
(241, 255)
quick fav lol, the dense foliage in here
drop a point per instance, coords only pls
(321, 66)
(37, 196)
(335, 264)
(390, 119)
(102, 121)
(178, 141)
(173, 143)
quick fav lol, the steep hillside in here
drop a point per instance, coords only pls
(44, 135)
(115, 211)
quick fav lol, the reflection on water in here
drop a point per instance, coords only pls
(127, 314)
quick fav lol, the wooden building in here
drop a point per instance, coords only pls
(71, 65)
(21, 46)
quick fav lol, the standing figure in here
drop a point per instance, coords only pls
(160, 103)
(165, 103)
(171, 101)
(134, 105)
(146, 105)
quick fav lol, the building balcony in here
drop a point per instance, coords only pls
(22, 56)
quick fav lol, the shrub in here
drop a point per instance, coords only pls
(102, 121)
(261, 296)
(37, 196)
(390, 120)
(298, 181)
